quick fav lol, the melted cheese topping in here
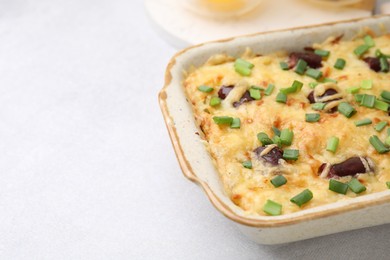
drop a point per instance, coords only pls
(251, 188)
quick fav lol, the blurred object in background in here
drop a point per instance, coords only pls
(189, 22)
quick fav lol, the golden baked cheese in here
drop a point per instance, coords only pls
(312, 121)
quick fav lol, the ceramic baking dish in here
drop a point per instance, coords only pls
(196, 163)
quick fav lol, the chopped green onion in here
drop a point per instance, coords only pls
(388, 131)
(296, 86)
(340, 64)
(313, 84)
(290, 154)
(281, 97)
(387, 141)
(379, 54)
(360, 50)
(388, 184)
(223, 120)
(380, 126)
(278, 181)
(272, 208)
(247, 164)
(264, 139)
(385, 95)
(363, 122)
(276, 140)
(326, 80)
(384, 64)
(369, 41)
(236, 123)
(332, 144)
(353, 90)
(381, 105)
(284, 65)
(355, 186)
(312, 117)
(268, 91)
(205, 89)
(318, 106)
(243, 67)
(346, 109)
(322, 53)
(302, 198)
(367, 84)
(368, 101)
(315, 74)
(359, 97)
(276, 130)
(378, 145)
(300, 67)
(286, 135)
(338, 187)
(215, 101)
(255, 93)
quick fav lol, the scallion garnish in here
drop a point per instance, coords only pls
(313, 84)
(301, 67)
(223, 120)
(268, 91)
(243, 67)
(387, 141)
(355, 186)
(358, 97)
(332, 144)
(278, 181)
(290, 154)
(338, 187)
(346, 109)
(322, 53)
(276, 140)
(286, 136)
(247, 164)
(296, 86)
(312, 117)
(276, 130)
(272, 208)
(205, 89)
(369, 41)
(363, 122)
(315, 74)
(353, 90)
(368, 101)
(302, 198)
(255, 93)
(385, 95)
(378, 145)
(381, 105)
(284, 65)
(326, 80)
(236, 123)
(384, 64)
(388, 184)
(366, 84)
(318, 106)
(380, 126)
(360, 50)
(281, 97)
(215, 101)
(340, 64)
(264, 139)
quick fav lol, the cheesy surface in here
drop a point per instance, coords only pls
(250, 188)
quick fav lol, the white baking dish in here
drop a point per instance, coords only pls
(196, 164)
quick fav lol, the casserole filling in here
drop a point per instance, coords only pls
(289, 131)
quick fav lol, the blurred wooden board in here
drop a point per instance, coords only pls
(182, 28)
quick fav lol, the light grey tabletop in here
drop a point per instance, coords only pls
(87, 168)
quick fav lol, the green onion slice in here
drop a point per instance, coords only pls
(247, 164)
(264, 139)
(236, 123)
(281, 97)
(205, 89)
(255, 93)
(332, 144)
(312, 117)
(363, 122)
(276, 130)
(284, 65)
(388, 184)
(380, 126)
(313, 84)
(369, 41)
(355, 186)
(368, 101)
(322, 53)
(286, 135)
(313, 73)
(378, 145)
(378, 104)
(384, 64)
(340, 64)
(385, 95)
(301, 67)
(367, 84)
(346, 109)
(318, 106)
(302, 198)
(215, 101)
(360, 50)
(268, 91)
(272, 208)
(290, 154)
(338, 187)
(353, 90)
(243, 67)
(223, 120)
(278, 181)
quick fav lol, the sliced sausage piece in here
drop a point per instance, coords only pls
(313, 60)
(350, 167)
(224, 91)
(245, 98)
(272, 156)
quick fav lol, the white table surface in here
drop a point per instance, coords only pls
(87, 169)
